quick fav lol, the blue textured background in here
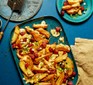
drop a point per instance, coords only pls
(8, 72)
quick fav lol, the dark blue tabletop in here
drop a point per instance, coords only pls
(8, 71)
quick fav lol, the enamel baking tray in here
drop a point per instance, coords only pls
(52, 23)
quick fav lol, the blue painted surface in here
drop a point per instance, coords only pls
(8, 72)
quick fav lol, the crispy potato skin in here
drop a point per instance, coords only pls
(36, 26)
(60, 79)
(16, 34)
(44, 32)
(70, 66)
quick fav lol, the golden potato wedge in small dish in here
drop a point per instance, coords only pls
(73, 7)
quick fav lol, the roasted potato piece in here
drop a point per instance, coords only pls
(42, 44)
(37, 36)
(43, 56)
(16, 34)
(28, 60)
(53, 81)
(39, 70)
(72, 11)
(61, 47)
(26, 65)
(81, 1)
(42, 52)
(66, 7)
(18, 54)
(61, 58)
(74, 1)
(27, 71)
(44, 32)
(48, 77)
(76, 5)
(36, 78)
(38, 59)
(48, 63)
(53, 57)
(80, 12)
(60, 79)
(73, 7)
(52, 46)
(29, 29)
(43, 83)
(69, 64)
(21, 39)
(47, 56)
(39, 76)
(42, 25)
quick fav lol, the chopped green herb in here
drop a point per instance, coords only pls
(60, 69)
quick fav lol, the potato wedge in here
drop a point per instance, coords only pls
(74, 1)
(37, 60)
(15, 35)
(61, 58)
(37, 77)
(44, 32)
(60, 79)
(47, 63)
(43, 83)
(61, 47)
(26, 71)
(53, 46)
(73, 11)
(53, 81)
(76, 5)
(42, 25)
(39, 70)
(48, 77)
(69, 64)
(42, 52)
(43, 56)
(66, 7)
(37, 36)
(29, 29)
